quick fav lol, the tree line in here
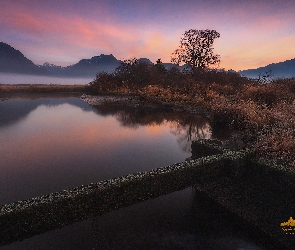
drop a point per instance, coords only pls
(195, 52)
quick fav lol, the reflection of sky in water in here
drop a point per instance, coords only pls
(55, 147)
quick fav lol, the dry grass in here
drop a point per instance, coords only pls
(40, 88)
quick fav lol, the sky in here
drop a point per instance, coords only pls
(253, 33)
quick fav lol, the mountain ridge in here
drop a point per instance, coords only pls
(13, 61)
(285, 69)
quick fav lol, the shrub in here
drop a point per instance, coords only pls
(104, 82)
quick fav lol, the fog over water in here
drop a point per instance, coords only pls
(10, 78)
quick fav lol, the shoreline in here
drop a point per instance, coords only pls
(41, 88)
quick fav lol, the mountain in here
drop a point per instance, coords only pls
(86, 67)
(144, 60)
(284, 69)
(51, 69)
(13, 61)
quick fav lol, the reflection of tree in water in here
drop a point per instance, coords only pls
(127, 119)
(192, 128)
(186, 127)
(133, 118)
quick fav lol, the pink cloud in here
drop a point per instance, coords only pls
(74, 33)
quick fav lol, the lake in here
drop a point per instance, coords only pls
(49, 144)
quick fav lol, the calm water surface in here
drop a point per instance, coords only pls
(51, 144)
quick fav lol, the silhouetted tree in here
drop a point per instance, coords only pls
(196, 49)
(134, 73)
(127, 68)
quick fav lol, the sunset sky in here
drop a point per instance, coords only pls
(253, 33)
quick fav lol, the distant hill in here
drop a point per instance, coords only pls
(87, 67)
(144, 60)
(13, 61)
(284, 69)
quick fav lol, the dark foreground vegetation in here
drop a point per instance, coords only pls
(259, 112)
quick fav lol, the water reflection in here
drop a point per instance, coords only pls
(14, 110)
(60, 143)
(51, 144)
(191, 128)
(185, 126)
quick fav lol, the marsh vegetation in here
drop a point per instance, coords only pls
(260, 114)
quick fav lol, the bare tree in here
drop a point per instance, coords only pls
(196, 49)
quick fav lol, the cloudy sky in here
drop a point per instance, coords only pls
(253, 33)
